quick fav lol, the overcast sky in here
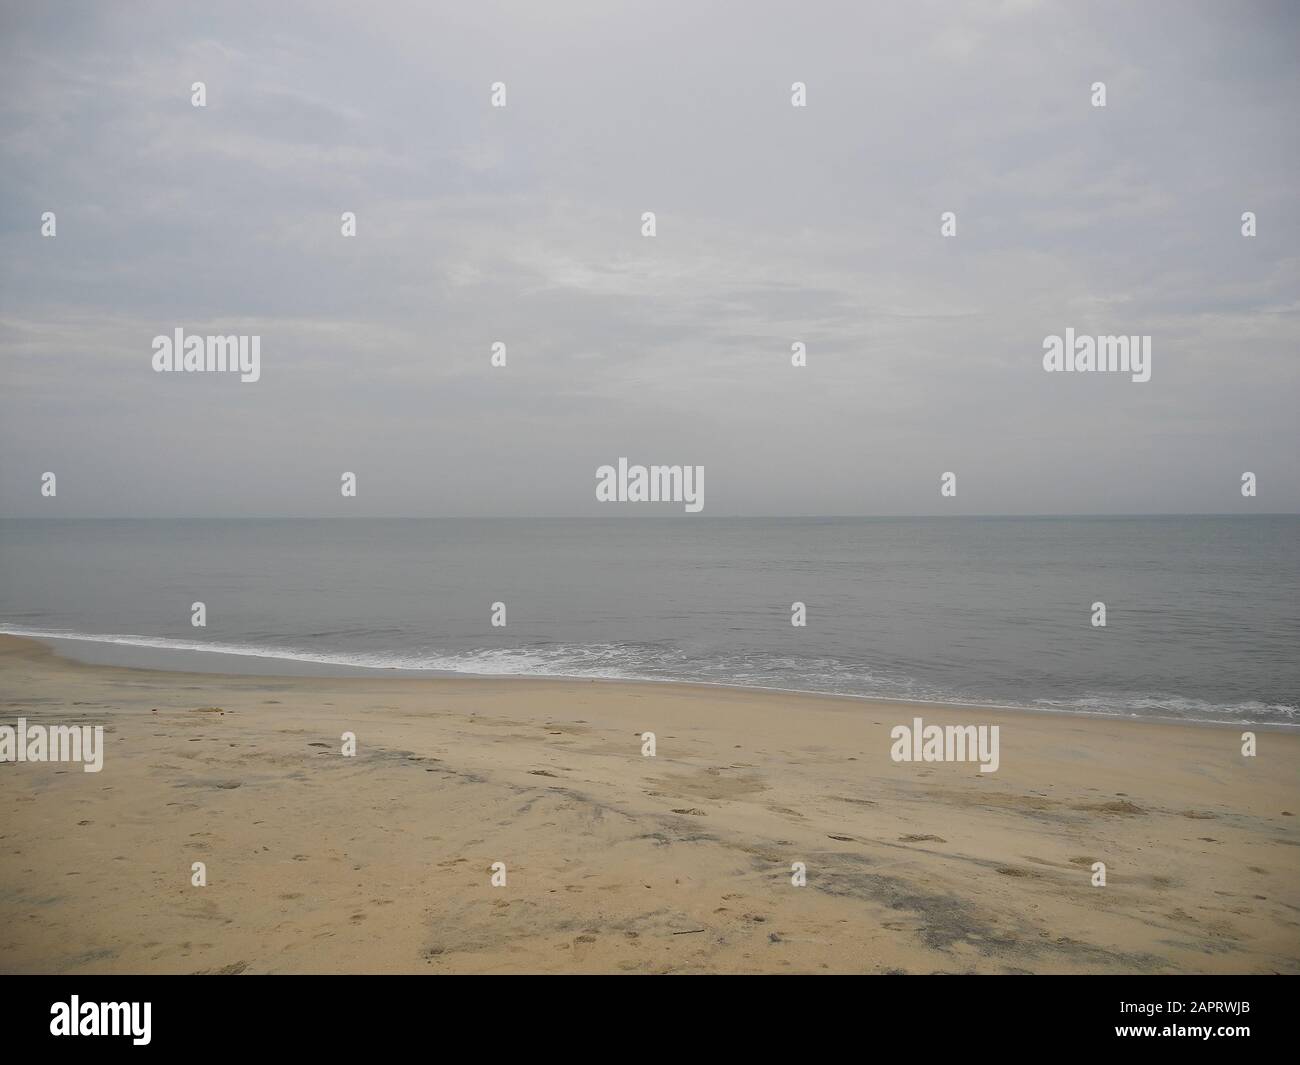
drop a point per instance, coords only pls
(523, 224)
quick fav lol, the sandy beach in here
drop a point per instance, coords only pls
(615, 861)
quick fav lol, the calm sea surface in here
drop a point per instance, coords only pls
(1203, 613)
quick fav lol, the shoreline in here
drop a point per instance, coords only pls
(151, 657)
(382, 862)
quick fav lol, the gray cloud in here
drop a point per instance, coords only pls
(522, 225)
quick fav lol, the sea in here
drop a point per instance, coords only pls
(1202, 613)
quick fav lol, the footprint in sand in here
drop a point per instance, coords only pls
(1122, 807)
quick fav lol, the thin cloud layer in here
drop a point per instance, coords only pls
(522, 225)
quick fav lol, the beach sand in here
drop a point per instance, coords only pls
(617, 862)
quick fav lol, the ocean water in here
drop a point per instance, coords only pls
(1203, 613)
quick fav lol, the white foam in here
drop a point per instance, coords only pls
(815, 676)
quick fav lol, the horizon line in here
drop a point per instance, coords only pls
(641, 517)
